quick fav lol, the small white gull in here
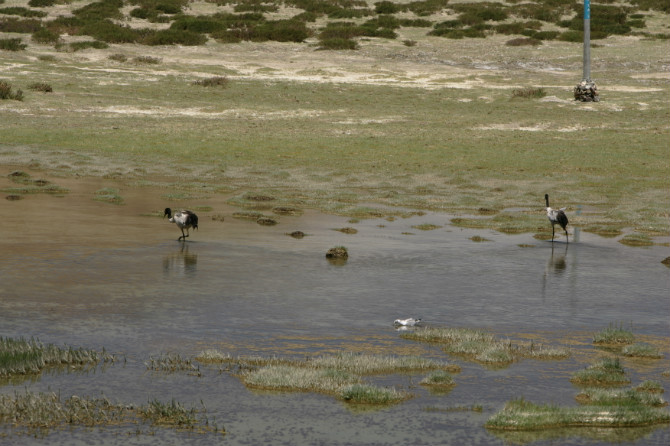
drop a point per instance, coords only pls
(409, 322)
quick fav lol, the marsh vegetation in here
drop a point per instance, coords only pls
(484, 347)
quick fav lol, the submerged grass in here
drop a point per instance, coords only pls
(22, 356)
(438, 378)
(108, 195)
(39, 412)
(170, 363)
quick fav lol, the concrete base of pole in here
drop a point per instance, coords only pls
(586, 91)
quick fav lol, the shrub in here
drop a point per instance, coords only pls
(472, 13)
(7, 93)
(98, 11)
(344, 13)
(147, 60)
(199, 24)
(77, 46)
(174, 37)
(118, 57)
(416, 23)
(12, 44)
(386, 7)
(21, 11)
(337, 43)
(572, 36)
(217, 81)
(44, 35)
(529, 93)
(14, 25)
(605, 20)
(283, 31)
(546, 35)
(427, 7)
(109, 32)
(523, 41)
(41, 3)
(40, 86)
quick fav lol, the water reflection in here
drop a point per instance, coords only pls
(181, 262)
(557, 262)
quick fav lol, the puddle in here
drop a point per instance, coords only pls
(80, 272)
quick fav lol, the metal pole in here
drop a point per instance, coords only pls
(586, 90)
(587, 41)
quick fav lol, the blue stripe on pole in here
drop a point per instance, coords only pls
(587, 9)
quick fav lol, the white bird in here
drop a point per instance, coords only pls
(183, 220)
(556, 217)
(410, 322)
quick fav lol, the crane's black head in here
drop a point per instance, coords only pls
(168, 213)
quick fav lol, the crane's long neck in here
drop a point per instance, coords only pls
(546, 199)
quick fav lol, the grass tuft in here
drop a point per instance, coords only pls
(614, 335)
(484, 347)
(607, 372)
(529, 93)
(37, 413)
(108, 195)
(438, 378)
(641, 350)
(22, 356)
(171, 363)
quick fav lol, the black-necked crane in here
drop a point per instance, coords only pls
(556, 216)
(183, 220)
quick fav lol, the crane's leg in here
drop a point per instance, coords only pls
(567, 239)
(182, 235)
(552, 233)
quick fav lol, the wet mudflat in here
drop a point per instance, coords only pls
(81, 272)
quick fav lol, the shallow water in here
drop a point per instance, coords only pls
(84, 273)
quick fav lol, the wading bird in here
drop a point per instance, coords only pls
(556, 217)
(411, 322)
(183, 220)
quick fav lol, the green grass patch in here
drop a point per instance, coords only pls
(108, 195)
(484, 347)
(339, 375)
(620, 397)
(650, 386)
(637, 240)
(523, 415)
(606, 372)
(641, 350)
(614, 335)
